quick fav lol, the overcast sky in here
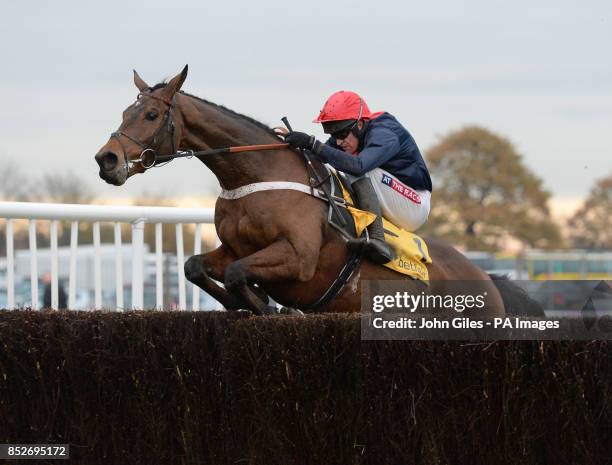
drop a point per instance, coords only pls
(539, 73)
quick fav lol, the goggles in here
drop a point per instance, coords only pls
(343, 133)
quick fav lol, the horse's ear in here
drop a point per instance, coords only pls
(142, 86)
(175, 84)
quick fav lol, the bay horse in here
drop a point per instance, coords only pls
(274, 243)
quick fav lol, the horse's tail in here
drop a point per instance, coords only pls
(516, 300)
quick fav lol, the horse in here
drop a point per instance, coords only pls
(275, 243)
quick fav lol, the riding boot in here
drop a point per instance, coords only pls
(374, 247)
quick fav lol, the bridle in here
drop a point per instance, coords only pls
(168, 123)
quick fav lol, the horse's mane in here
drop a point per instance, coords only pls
(253, 121)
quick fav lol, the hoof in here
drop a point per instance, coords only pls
(243, 311)
(194, 269)
(270, 310)
(291, 311)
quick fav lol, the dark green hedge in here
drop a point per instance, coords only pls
(216, 388)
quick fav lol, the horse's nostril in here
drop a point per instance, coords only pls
(107, 160)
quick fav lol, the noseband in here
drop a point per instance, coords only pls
(168, 123)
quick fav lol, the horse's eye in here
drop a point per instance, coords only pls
(151, 115)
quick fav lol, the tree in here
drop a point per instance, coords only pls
(591, 225)
(64, 187)
(484, 195)
(14, 185)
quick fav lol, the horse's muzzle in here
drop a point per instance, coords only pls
(111, 169)
(107, 161)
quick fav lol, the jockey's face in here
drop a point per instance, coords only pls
(350, 143)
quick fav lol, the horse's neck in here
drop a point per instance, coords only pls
(207, 126)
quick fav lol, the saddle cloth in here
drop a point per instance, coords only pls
(411, 250)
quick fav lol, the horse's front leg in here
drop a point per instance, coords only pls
(280, 261)
(203, 270)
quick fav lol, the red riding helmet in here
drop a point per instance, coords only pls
(344, 105)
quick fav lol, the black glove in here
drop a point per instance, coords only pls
(300, 140)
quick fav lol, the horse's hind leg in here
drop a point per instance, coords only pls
(203, 270)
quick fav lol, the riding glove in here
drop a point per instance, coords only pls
(301, 140)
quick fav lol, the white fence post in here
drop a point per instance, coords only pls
(97, 267)
(10, 265)
(33, 265)
(180, 259)
(118, 268)
(138, 264)
(54, 276)
(74, 240)
(159, 267)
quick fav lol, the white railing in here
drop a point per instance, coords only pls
(95, 214)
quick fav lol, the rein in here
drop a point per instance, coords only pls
(149, 161)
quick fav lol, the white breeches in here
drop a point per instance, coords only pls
(400, 204)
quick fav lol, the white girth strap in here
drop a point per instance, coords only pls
(267, 186)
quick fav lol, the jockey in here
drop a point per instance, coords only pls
(383, 163)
